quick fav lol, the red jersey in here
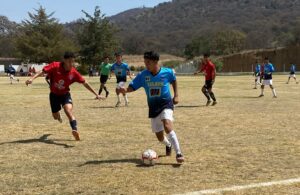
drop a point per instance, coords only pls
(209, 69)
(61, 79)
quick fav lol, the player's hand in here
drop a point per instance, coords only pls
(28, 82)
(175, 100)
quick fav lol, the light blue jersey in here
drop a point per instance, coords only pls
(157, 88)
(268, 70)
(257, 69)
(293, 69)
(120, 71)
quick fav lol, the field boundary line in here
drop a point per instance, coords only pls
(244, 187)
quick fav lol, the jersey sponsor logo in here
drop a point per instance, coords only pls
(155, 84)
(60, 85)
(155, 92)
(71, 76)
(147, 78)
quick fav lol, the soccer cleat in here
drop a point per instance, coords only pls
(261, 95)
(275, 96)
(107, 93)
(168, 150)
(214, 103)
(255, 88)
(76, 135)
(208, 102)
(179, 158)
(118, 104)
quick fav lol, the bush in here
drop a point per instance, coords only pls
(219, 64)
(83, 69)
(132, 68)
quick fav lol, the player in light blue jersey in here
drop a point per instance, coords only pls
(121, 70)
(257, 75)
(292, 73)
(156, 81)
(267, 71)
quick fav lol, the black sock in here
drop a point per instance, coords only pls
(100, 91)
(105, 89)
(212, 95)
(73, 125)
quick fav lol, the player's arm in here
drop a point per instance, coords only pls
(200, 68)
(175, 89)
(126, 90)
(29, 81)
(88, 87)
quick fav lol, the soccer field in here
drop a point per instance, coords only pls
(243, 140)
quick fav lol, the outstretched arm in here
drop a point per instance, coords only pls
(126, 90)
(29, 81)
(86, 85)
(175, 89)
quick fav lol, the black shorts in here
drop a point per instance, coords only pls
(208, 84)
(121, 79)
(58, 101)
(103, 79)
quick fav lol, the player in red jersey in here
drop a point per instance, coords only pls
(209, 70)
(62, 75)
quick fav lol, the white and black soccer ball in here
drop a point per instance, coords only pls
(149, 157)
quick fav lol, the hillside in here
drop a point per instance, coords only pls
(169, 26)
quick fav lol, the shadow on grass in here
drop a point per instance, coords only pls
(190, 106)
(43, 139)
(135, 161)
(104, 107)
(239, 97)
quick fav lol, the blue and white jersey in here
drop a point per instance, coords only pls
(157, 88)
(293, 69)
(120, 70)
(257, 69)
(268, 70)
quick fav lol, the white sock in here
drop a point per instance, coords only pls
(119, 100)
(126, 98)
(274, 92)
(173, 138)
(166, 142)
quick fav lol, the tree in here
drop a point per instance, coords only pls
(96, 38)
(41, 38)
(197, 47)
(7, 32)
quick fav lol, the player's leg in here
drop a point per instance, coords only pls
(255, 84)
(68, 108)
(118, 96)
(262, 90)
(55, 107)
(206, 94)
(168, 125)
(288, 80)
(158, 129)
(212, 95)
(295, 79)
(167, 120)
(273, 91)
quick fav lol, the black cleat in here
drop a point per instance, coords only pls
(168, 150)
(107, 93)
(208, 102)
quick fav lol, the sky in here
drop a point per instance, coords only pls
(69, 10)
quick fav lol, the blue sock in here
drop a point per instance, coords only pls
(73, 125)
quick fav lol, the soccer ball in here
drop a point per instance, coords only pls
(149, 157)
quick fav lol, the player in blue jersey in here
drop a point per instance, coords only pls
(267, 71)
(256, 74)
(156, 81)
(292, 73)
(121, 70)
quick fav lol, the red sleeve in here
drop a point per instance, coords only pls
(78, 77)
(49, 68)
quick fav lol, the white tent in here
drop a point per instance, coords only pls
(2, 68)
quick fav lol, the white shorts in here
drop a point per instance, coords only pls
(292, 75)
(157, 124)
(121, 85)
(257, 78)
(268, 82)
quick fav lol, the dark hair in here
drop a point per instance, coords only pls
(69, 55)
(118, 54)
(151, 55)
(206, 55)
(266, 58)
